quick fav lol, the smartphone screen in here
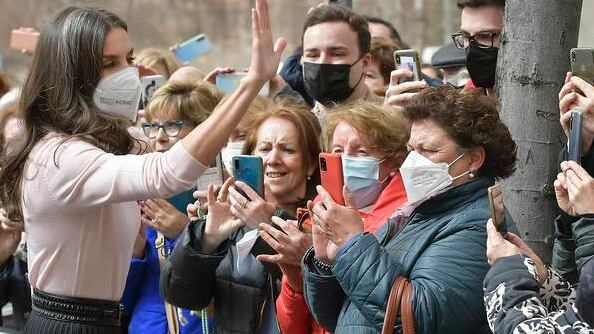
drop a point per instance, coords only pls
(229, 82)
(497, 208)
(408, 60)
(574, 142)
(150, 84)
(193, 48)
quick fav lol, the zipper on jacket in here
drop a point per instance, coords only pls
(269, 293)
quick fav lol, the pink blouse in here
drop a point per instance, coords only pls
(81, 215)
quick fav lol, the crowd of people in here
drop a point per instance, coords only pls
(107, 225)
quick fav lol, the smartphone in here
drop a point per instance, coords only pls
(262, 247)
(212, 175)
(497, 209)
(229, 82)
(150, 84)
(574, 142)
(331, 175)
(582, 63)
(250, 170)
(193, 48)
(23, 40)
(408, 60)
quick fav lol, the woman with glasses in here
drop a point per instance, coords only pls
(175, 109)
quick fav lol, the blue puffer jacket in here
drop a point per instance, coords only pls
(441, 250)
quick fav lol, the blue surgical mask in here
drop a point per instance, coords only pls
(361, 177)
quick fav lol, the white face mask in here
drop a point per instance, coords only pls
(424, 178)
(118, 94)
(228, 152)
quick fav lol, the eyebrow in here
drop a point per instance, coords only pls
(115, 56)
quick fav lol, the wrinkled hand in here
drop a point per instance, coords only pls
(254, 209)
(338, 223)
(498, 247)
(220, 223)
(290, 245)
(399, 94)
(574, 188)
(265, 55)
(211, 77)
(163, 217)
(578, 94)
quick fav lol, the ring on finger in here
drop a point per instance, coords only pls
(156, 221)
(245, 204)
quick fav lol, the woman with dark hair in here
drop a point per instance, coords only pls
(72, 182)
(458, 148)
(206, 263)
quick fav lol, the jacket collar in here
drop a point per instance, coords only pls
(457, 196)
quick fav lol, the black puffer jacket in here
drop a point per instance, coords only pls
(191, 279)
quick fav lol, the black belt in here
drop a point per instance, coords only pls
(79, 310)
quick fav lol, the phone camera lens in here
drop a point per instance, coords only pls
(573, 56)
(323, 164)
(236, 163)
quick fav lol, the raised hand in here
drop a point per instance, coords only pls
(220, 223)
(265, 55)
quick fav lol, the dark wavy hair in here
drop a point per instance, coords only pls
(472, 120)
(479, 3)
(57, 95)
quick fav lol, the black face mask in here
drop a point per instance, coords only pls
(328, 83)
(481, 64)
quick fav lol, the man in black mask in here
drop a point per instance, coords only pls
(336, 44)
(480, 31)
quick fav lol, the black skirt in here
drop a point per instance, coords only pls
(53, 314)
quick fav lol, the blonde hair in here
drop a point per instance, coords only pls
(151, 57)
(383, 130)
(185, 100)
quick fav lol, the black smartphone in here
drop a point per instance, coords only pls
(497, 209)
(262, 247)
(582, 63)
(574, 142)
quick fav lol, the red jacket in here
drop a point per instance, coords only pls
(292, 312)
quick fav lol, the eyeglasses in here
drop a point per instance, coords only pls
(484, 40)
(171, 128)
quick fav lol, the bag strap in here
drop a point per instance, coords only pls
(393, 304)
(400, 300)
(406, 309)
(170, 310)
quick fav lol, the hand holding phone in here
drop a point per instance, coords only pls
(574, 142)
(497, 208)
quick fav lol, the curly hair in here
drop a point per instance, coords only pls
(472, 120)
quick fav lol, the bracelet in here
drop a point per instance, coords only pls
(322, 265)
